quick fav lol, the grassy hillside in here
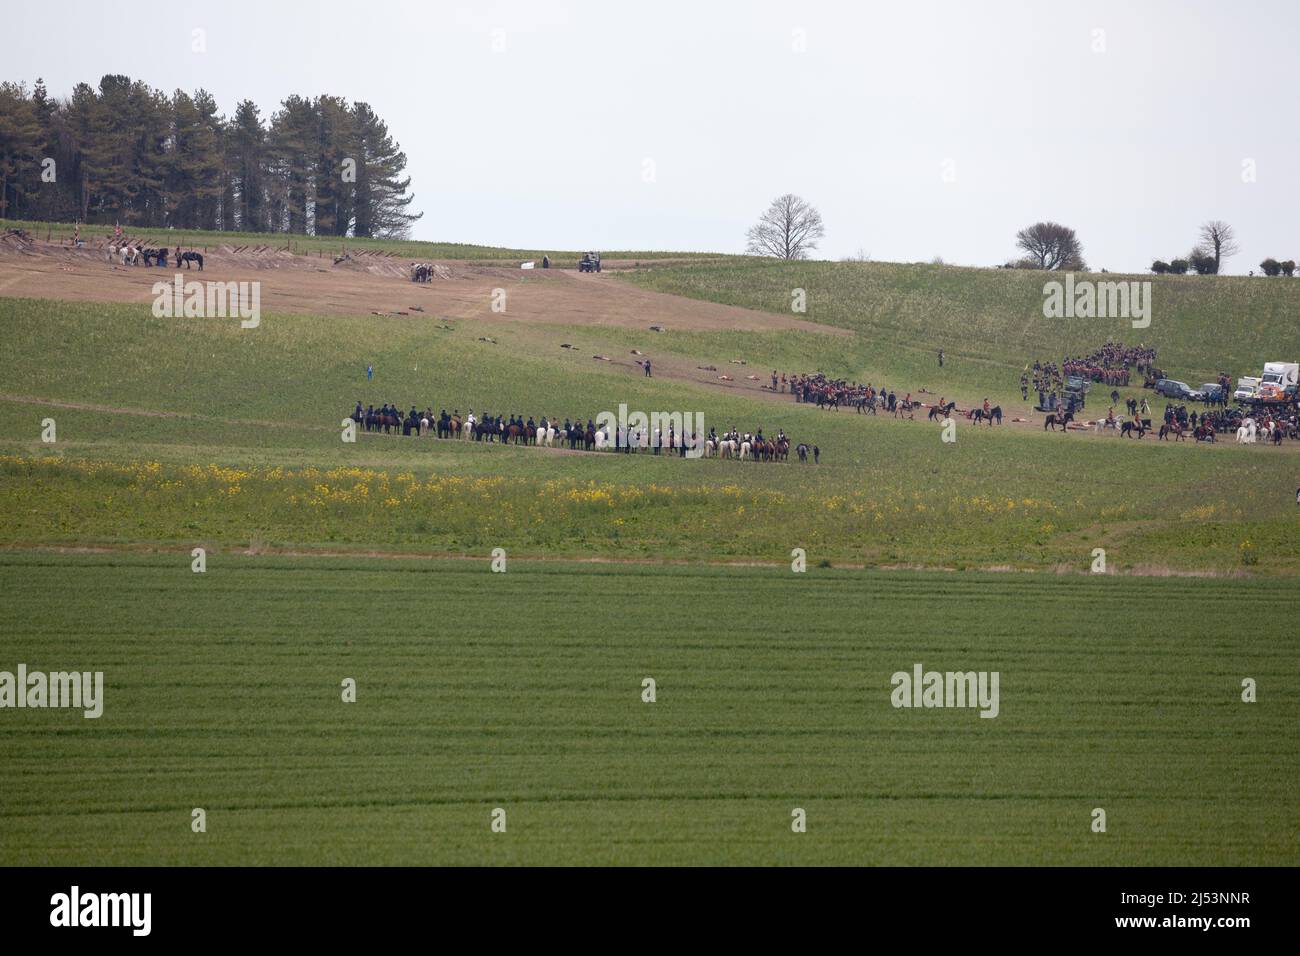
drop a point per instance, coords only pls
(523, 691)
(267, 404)
(990, 322)
(310, 245)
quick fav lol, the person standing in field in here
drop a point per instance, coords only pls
(370, 373)
(647, 372)
(940, 358)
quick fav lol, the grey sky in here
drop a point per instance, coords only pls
(544, 143)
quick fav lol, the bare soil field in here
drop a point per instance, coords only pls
(378, 283)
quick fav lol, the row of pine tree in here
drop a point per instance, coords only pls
(131, 154)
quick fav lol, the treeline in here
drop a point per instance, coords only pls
(131, 154)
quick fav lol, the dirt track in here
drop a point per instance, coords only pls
(368, 284)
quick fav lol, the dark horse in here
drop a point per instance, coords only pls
(188, 257)
(1052, 420)
(941, 411)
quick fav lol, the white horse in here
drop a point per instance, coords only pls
(424, 426)
(602, 439)
(744, 449)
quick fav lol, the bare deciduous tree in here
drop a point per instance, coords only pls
(1051, 246)
(788, 230)
(1218, 242)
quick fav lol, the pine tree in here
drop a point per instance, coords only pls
(19, 139)
(248, 149)
(382, 198)
(292, 140)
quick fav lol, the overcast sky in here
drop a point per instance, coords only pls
(919, 129)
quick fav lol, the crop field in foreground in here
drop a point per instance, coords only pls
(522, 691)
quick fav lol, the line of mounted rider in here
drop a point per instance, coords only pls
(587, 436)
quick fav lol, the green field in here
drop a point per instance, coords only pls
(990, 322)
(887, 492)
(522, 691)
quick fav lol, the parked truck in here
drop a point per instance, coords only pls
(1247, 386)
(1277, 378)
(1277, 391)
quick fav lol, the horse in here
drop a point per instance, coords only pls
(188, 257)
(1128, 428)
(905, 408)
(802, 451)
(941, 411)
(994, 414)
(1173, 428)
(1052, 420)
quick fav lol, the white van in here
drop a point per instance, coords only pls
(1247, 386)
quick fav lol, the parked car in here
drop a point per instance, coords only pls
(1212, 391)
(1170, 388)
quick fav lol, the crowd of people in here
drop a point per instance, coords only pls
(1112, 364)
(815, 388)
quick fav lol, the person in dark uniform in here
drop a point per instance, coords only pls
(647, 368)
